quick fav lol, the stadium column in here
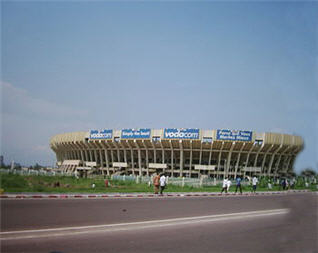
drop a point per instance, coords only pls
(64, 154)
(284, 166)
(181, 158)
(200, 158)
(264, 159)
(248, 158)
(280, 158)
(257, 154)
(154, 152)
(210, 155)
(86, 151)
(277, 163)
(272, 160)
(105, 145)
(171, 147)
(226, 170)
(132, 157)
(291, 157)
(190, 168)
(90, 155)
(101, 161)
(147, 156)
(79, 146)
(125, 153)
(139, 157)
(238, 160)
(118, 150)
(162, 152)
(288, 162)
(219, 159)
(210, 158)
(97, 154)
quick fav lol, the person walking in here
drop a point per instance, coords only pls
(238, 184)
(228, 185)
(254, 183)
(162, 183)
(224, 185)
(156, 183)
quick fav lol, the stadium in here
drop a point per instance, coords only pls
(179, 152)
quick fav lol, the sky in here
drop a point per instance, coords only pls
(75, 66)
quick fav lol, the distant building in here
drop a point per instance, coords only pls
(178, 152)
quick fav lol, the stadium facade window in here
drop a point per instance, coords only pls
(258, 142)
(156, 139)
(207, 140)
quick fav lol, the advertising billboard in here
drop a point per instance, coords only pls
(181, 133)
(233, 135)
(142, 133)
(103, 134)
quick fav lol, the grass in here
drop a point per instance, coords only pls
(12, 183)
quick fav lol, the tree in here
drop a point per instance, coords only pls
(309, 172)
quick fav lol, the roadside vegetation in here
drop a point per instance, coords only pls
(13, 183)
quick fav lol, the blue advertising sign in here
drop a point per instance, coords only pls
(181, 133)
(142, 133)
(234, 135)
(103, 134)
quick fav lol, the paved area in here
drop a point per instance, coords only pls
(261, 223)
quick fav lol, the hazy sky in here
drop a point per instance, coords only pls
(76, 66)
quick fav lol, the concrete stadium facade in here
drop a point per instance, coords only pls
(178, 152)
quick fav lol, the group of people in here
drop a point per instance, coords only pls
(227, 184)
(159, 182)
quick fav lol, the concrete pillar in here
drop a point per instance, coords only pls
(101, 159)
(219, 159)
(226, 169)
(171, 147)
(238, 160)
(107, 162)
(191, 147)
(247, 159)
(162, 152)
(200, 158)
(125, 155)
(210, 155)
(181, 157)
(147, 157)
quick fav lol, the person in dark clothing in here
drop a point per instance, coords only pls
(238, 184)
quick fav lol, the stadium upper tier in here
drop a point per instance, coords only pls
(178, 152)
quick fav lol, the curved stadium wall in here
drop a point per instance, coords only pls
(177, 152)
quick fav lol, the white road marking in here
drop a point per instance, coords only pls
(39, 233)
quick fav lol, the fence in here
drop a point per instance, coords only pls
(35, 172)
(184, 181)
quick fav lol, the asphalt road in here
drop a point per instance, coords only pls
(190, 224)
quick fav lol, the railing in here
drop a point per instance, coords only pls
(179, 181)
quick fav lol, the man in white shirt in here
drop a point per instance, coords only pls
(254, 183)
(162, 183)
(228, 185)
(224, 186)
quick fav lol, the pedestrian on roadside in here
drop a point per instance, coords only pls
(238, 184)
(254, 184)
(162, 183)
(228, 185)
(156, 183)
(224, 186)
(284, 184)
